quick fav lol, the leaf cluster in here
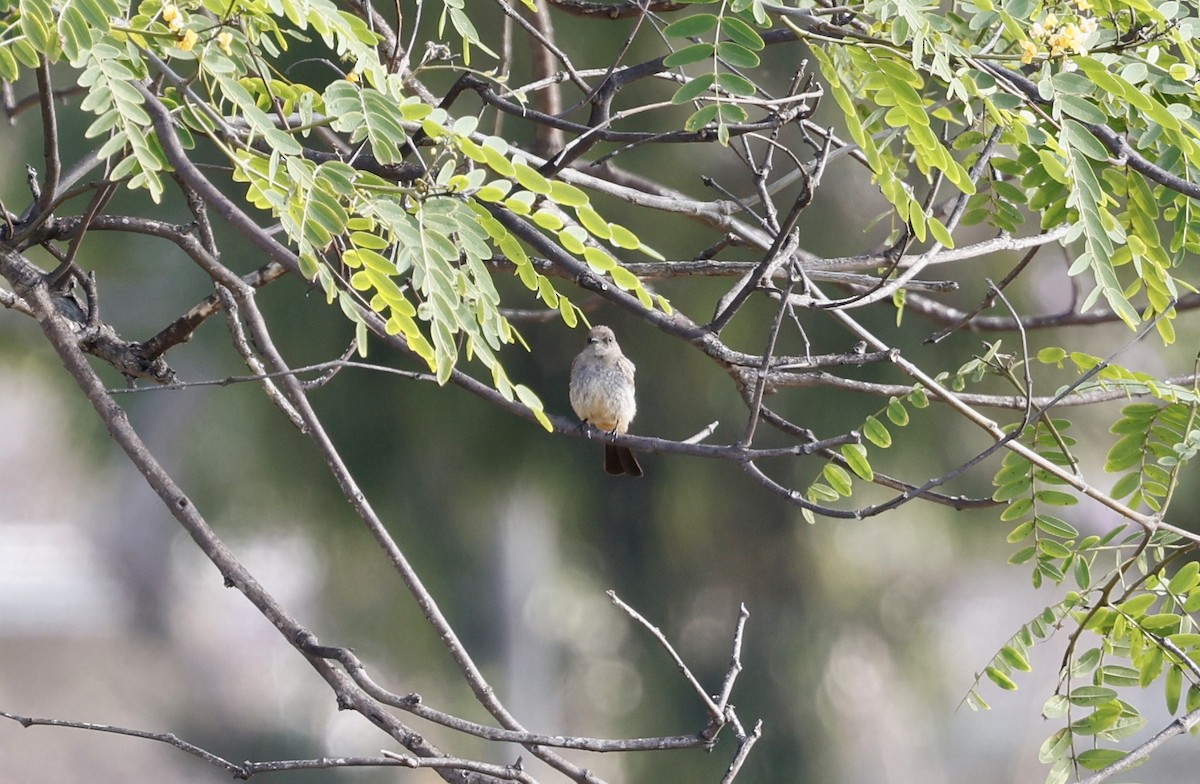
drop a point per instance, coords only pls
(415, 252)
(834, 481)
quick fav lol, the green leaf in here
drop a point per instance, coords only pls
(731, 113)
(701, 117)
(1099, 720)
(36, 20)
(1163, 623)
(875, 432)
(1052, 548)
(1097, 759)
(1185, 579)
(736, 85)
(1081, 110)
(1060, 771)
(1083, 573)
(534, 404)
(1150, 666)
(1018, 487)
(1056, 527)
(1091, 695)
(737, 55)
(940, 232)
(1126, 453)
(838, 478)
(1055, 498)
(1055, 706)
(1186, 640)
(1193, 698)
(1021, 532)
(567, 194)
(689, 26)
(598, 259)
(1022, 555)
(1119, 675)
(624, 279)
(1016, 510)
(1052, 355)
(1138, 605)
(591, 220)
(1126, 485)
(821, 492)
(897, 413)
(694, 89)
(856, 458)
(1055, 747)
(744, 34)
(1173, 684)
(975, 702)
(689, 54)
(1015, 659)
(531, 178)
(1000, 679)
(623, 237)
(1081, 139)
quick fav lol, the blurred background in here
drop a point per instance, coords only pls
(863, 637)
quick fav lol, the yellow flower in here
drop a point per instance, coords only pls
(1059, 43)
(173, 18)
(188, 41)
(1083, 5)
(352, 77)
(1029, 50)
(1088, 24)
(225, 41)
(1075, 36)
(1050, 22)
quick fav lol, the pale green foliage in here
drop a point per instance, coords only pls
(455, 12)
(835, 481)
(1118, 582)
(1022, 108)
(1030, 493)
(416, 254)
(916, 62)
(735, 44)
(896, 90)
(107, 76)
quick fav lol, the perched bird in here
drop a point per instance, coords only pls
(602, 394)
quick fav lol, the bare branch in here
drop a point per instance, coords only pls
(25, 280)
(414, 704)
(715, 711)
(168, 738)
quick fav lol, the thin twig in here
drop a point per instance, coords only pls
(743, 752)
(714, 710)
(169, 738)
(735, 658)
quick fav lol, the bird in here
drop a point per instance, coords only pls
(602, 395)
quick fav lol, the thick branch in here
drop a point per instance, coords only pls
(26, 280)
